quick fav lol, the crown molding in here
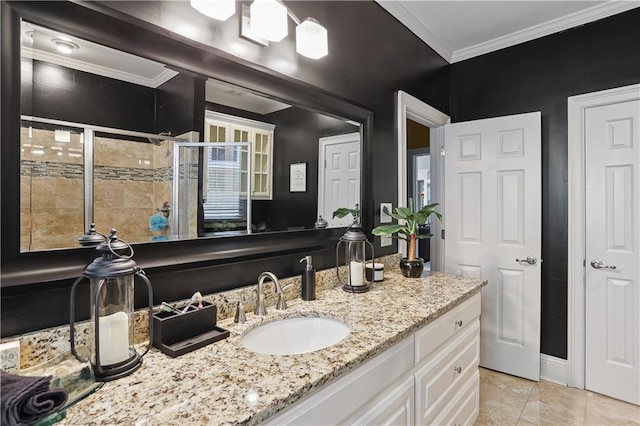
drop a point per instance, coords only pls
(582, 17)
(397, 10)
(68, 62)
(594, 13)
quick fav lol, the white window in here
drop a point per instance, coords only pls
(223, 199)
(220, 127)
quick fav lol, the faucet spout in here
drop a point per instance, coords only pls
(260, 307)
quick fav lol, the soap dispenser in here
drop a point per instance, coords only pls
(308, 279)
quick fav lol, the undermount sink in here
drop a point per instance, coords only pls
(295, 335)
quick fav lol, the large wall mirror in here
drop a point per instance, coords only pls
(96, 146)
(84, 141)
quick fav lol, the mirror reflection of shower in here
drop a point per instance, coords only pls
(111, 177)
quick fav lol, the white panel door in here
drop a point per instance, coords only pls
(612, 293)
(492, 221)
(338, 176)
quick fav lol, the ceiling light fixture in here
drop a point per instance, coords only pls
(269, 19)
(64, 46)
(266, 21)
(216, 9)
(311, 39)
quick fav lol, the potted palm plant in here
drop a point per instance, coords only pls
(407, 229)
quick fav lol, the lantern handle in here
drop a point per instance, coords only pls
(114, 237)
(143, 275)
(72, 309)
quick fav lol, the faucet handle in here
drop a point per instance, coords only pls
(281, 304)
(239, 316)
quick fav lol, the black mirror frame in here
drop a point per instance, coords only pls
(20, 270)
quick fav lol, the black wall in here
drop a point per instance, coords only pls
(179, 105)
(61, 93)
(539, 76)
(56, 92)
(296, 141)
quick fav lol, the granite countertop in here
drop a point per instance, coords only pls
(224, 383)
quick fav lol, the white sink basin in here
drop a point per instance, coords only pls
(295, 336)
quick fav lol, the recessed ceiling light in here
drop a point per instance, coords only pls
(64, 46)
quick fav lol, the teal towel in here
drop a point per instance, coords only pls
(158, 222)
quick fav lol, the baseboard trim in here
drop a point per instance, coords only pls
(553, 369)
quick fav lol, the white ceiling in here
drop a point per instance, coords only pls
(460, 30)
(38, 43)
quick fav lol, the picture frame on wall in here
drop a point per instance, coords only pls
(298, 177)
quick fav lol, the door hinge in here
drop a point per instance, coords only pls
(442, 234)
(442, 152)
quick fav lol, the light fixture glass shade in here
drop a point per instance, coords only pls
(311, 39)
(216, 9)
(269, 19)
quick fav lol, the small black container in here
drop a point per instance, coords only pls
(176, 334)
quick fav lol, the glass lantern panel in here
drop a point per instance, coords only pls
(355, 256)
(115, 319)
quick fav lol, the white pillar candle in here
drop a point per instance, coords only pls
(356, 270)
(114, 338)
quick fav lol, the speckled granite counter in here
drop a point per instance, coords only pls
(224, 383)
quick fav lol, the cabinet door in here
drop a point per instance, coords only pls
(463, 408)
(439, 380)
(395, 408)
(225, 128)
(262, 170)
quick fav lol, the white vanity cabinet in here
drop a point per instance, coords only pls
(447, 353)
(428, 378)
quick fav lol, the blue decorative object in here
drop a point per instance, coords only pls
(158, 222)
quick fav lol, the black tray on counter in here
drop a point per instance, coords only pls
(177, 334)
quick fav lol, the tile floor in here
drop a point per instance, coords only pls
(506, 400)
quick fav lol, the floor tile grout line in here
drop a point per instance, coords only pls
(525, 403)
(586, 403)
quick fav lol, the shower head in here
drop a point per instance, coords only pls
(158, 141)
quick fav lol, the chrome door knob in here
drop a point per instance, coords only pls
(531, 260)
(599, 264)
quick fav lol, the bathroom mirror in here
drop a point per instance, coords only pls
(189, 262)
(97, 136)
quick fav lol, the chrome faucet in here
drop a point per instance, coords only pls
(260, 308)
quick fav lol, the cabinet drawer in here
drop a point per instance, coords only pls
(439, 380)
(463, 410)
(395, 408)
(442, 329)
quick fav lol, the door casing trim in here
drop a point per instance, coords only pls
(576, 315)
(408, 106)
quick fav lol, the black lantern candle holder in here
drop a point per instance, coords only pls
(111, 276)
(355, 243)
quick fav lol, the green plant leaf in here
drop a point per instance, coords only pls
(408, 221)
(386, 229)
(343, 211)
(424, 237)
(404, 212)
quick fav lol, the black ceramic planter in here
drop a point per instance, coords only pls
(412, 268)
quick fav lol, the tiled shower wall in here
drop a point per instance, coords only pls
(131, 180)
(51, 190)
